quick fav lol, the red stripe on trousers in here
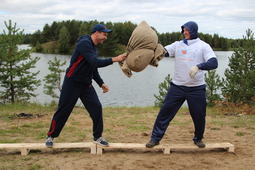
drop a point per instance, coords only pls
(74, 66)
(52, 127)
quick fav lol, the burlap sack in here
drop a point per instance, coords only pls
(143, 37)
(141, 50)
(138, 60)
(158, 55)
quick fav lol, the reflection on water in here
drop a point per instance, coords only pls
(138, 90)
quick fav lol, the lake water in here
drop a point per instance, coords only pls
(138, 90)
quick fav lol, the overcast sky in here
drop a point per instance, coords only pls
(227, 18)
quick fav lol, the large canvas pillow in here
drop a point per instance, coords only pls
(142, 50)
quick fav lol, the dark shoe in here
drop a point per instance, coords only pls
(101, 141)
(199, 143)
(152, 143)
(49, 141)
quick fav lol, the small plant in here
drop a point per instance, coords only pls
(163, 89)
(214, 128)
(213, 84)
(53, 80)
(240, 133)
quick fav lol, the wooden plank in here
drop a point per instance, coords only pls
(228, 146)
(25, 147)
(97, 149)
(42, 145)
(208, 145)
(128, 145)
(100, 148)
(166, 148)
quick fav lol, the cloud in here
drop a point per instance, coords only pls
(219, 16)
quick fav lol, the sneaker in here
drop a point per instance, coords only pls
(49, 141)
(199, 143)
(152, 143)
(101, 141)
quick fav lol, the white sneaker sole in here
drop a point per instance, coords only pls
(100, 144)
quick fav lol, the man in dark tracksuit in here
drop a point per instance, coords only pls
(192, 57)
(77, 84)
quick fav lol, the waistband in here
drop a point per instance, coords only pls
(81, 85)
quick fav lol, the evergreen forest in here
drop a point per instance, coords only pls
(60, 37)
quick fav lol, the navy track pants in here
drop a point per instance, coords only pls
(196, 99)
(70, 94)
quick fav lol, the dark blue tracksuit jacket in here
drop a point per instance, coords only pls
(77, 84)
(84, 63)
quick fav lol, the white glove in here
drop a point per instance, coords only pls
(192, 72)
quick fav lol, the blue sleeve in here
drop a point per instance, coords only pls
(90, 55)
(211, 64)
(97, 78)
(166, 54)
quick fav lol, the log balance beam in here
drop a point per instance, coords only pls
(97, 149)
(26, 147)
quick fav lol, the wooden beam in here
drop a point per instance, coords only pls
(166, 148)
(26, 147)
(97, 149)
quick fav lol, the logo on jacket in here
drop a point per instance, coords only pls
(184, 51)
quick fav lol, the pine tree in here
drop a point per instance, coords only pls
(215, 41)
(16, 79)
(213, 83)
(84, 29)
(38, 47)
(73, 30)
(163, 89)
(109, 46)
(53, 80)
(64, 40)
(239, 85)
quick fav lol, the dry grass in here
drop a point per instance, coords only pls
(121, 124)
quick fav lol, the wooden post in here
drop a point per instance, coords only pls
(93, 149)
(166, 150)
(24, 151)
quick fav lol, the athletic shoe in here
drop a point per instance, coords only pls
(152, 143)
(101, 141)
(199, 143)
(49, 141)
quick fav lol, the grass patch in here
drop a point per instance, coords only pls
(214, 128)
(247, 121)
(118, 122)
(11, 111)
(240, 133)
(139, 128)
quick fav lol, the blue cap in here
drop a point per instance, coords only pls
(100, 28)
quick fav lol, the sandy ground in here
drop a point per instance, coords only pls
(139, 159)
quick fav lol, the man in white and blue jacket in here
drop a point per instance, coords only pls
(77, 84)
(192, 57)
